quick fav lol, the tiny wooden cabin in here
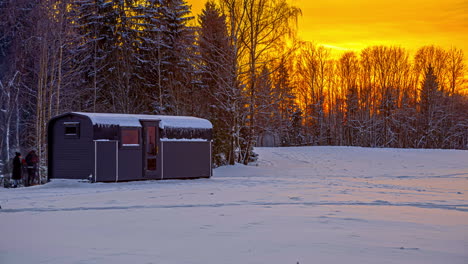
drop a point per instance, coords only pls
(121, 147)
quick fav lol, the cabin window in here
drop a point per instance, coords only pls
(72, 129)
(130, 137)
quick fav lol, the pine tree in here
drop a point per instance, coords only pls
(432, 112)
(111, 34)
(288, 111)
(96, 23)
(178, 39)
(149, 46)
(429, 95)
(267, 105)
(221, 90)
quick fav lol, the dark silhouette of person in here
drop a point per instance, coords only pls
(16, 177)
(31, 162)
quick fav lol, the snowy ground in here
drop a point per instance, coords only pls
(306, 205)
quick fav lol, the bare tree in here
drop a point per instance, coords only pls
(256, 26)
(9, 94)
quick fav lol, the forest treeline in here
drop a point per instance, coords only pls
(239, 64)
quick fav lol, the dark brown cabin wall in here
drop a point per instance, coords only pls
(130, 164)
(106, 168)
(130, 159)
(73, 157)
(186, 159)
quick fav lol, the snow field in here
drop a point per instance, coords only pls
(302, 204)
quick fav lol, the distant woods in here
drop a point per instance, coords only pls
(238, 64)
(382, 97)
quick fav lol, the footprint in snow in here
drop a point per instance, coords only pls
(403, 248)
(295, 198)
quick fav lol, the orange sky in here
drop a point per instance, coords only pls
(355, 24)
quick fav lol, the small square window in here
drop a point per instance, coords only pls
(130, 137)
(72, 129)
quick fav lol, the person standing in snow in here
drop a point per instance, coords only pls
(31, 162)
(16, 177)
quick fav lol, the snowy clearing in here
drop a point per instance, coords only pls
(304, 204)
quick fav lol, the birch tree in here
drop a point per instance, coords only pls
(256, 27)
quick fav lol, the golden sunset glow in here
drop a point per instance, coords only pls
(353, 25)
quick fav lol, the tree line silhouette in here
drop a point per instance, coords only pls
(239, 64)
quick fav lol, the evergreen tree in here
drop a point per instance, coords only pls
(221, 92)
(434, 116)
(96, 23)
(288, 111)
(178, 39)
(149, 46)
(267, 105)
(114, 47)
(429, 94)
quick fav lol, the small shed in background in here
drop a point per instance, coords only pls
(268, 139)
(122, 147)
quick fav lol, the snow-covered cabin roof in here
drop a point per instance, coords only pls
(129, 120)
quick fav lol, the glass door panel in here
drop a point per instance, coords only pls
(151, 148)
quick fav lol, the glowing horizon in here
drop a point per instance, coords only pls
(353, 25)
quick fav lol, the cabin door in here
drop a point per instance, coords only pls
(150, 150)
